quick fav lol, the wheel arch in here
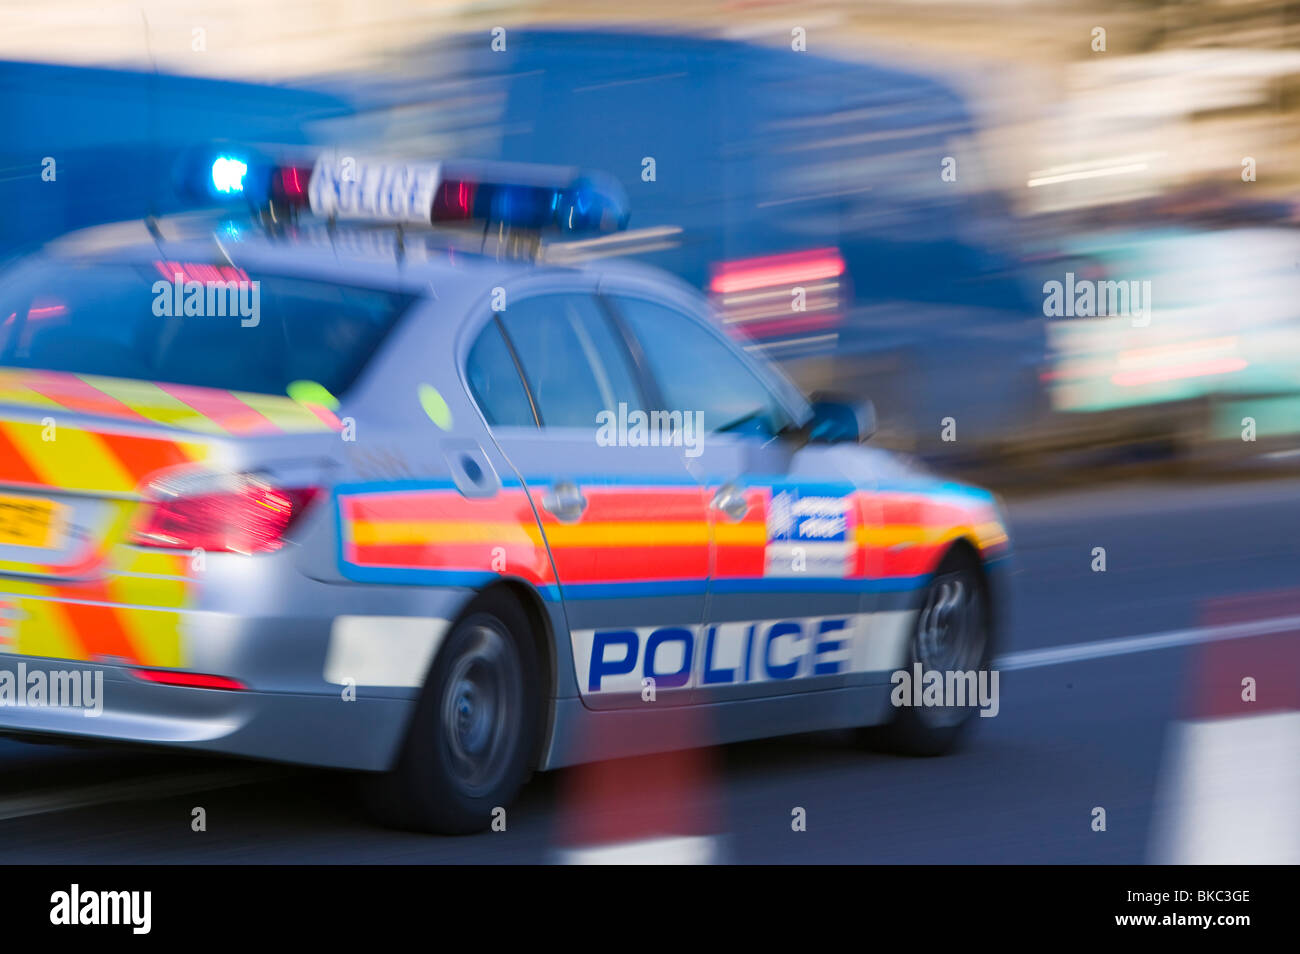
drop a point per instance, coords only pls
(541, 632)
(967, 548)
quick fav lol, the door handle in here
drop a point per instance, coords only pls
(730, 499)
(565, 502)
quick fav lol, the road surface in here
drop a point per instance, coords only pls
(1107, 684)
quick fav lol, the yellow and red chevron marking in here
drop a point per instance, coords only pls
(133, 614)
(86, 460)
(202, 410)
(131, 608)
(93, 554)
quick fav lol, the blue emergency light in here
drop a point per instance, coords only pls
(228, 174)
(224, 174)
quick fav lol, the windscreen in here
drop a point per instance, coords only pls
(192, 323)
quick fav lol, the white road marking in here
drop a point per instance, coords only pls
(44, 801)
(1228, 791)
(672, 850)
(1124, 645)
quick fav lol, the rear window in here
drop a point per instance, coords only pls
(223, 328)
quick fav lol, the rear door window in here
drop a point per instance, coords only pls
(495, 383)
(574, 363)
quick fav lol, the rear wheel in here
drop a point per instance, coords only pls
(473, 736)
(952, 634)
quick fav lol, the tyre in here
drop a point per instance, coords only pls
(473, 737)
(952, 633)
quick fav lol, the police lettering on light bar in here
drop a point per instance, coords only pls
(351, 188)
(514, 195)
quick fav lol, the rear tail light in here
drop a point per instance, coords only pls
(237, 513)
(188, 680)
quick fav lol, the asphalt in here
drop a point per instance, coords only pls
(1087, 727)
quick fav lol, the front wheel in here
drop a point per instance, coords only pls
(952, 635)
(473, 736)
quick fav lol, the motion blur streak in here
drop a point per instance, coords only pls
(772, 270)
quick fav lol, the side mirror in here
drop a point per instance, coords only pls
(838, 419)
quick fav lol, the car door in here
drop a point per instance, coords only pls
(625, 523)
(787, 594)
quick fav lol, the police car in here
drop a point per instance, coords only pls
(395, 470)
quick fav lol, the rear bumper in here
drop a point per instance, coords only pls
(332, 671)
(308, 728)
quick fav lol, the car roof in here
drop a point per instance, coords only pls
(348, 255)
(352, 256)
(362, 256)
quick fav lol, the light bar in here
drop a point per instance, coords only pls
(519, 196)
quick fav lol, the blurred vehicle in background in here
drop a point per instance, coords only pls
(810, 196)
(83, 145)
(1219, 355)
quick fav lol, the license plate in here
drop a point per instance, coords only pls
(351, 188)
(30, 521)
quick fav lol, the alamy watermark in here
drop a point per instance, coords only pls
(951, 689)
(53, 689)
(133, 909)
(216, 297)
(624, 428)
(1085, 298)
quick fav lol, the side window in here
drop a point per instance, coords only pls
(698, 372)
(494, 381)
(574, 363)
